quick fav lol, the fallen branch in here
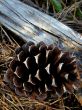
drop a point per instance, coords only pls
(31, 24)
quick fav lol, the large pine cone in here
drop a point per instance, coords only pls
(41, 69)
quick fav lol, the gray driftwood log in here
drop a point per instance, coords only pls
(31, 24)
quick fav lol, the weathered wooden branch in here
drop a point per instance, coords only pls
(31, 24)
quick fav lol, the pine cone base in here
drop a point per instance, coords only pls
(41, 70)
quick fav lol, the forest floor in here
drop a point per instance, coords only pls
(70, 13)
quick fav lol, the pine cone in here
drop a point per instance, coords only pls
(41, 69)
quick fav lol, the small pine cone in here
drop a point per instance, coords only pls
(41, 69)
